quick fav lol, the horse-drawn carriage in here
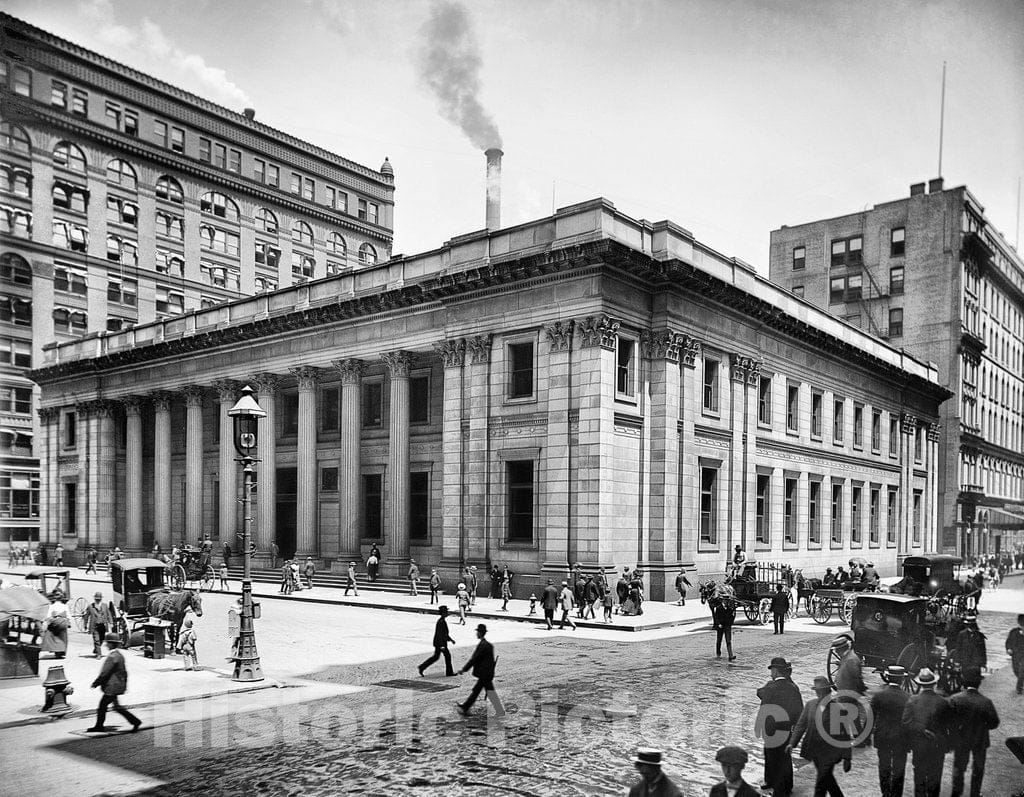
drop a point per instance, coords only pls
(192, 564)
(751, 588)
(141, 593)
(51, 581)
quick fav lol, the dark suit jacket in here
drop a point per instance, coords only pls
(113, 677)
(973, 716)
(725, 612)
(549, 598)
(441, 635)
(780, 603)
(888, 705)
(781, 693)
(745, 790)
(814, 747)
(482, 661)
(927, 711)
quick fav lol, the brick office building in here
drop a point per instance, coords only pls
(932, 276)
(124, 200)
(585, 387)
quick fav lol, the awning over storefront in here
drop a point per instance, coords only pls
(1005, 519)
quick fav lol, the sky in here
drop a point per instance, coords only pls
(728, 117)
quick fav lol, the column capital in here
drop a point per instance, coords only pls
(227, 390)
(266, 382)
(133, 405)
(934, 432)
(560, 335)
(599, 330)
(48, 414)
(908, 423)
(452, 352)
(745, 369)
(480, 348)
(194, 395)
(689, 348)
(98, 408)
(661, 343)
(307, 375)
(351, 370)
(398, 363)
(162, 400)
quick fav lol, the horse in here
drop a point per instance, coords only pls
(172, 606)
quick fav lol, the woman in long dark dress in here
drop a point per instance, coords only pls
(55, 627)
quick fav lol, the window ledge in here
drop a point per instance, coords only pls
(520, 400)
(762, 425)
(623, 398)
(717, 414)
(519, 546)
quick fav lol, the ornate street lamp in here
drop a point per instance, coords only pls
(245, 414)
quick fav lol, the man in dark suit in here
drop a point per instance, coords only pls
(549, 602)
(887, 705)
(733, 759)
(653, 782)
(1015, 650)
(724, 615)
(113, 680)
(823, 713)
(781, 705)
(441, 640)
(926, 723)
(482, 662)
(973, 716)
(968, 647)
(780, 605)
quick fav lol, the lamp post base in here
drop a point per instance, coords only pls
(247, 670)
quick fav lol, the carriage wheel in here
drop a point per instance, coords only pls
(821, 610)
(750, 610)
(912, 658)
(178, 577)
(846, 608)
(832, 665)
(78, 613)
(207, 580)
(765, 611)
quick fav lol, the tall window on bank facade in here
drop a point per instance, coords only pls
(892, 514)
(876, 431)
(816, 411)
(289, 412)
(330, 409)
(419, 505)
(519, 500)
(858, 425)
(838, 420)
(793, 408)
(710, 399)
(625, 367)
(373, 403)
(709, 505)
(789, 511)
(813, 512)
(763, 509)
(373, 505)
(520, 369)
(70, 524)
(419, 399)
(837, 514)
(917, 517)
(764, 401)
(894, 436)
(873, 511)
(856, 497)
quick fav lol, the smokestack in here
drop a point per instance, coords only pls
(493, 188)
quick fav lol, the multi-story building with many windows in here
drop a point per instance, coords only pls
(124, 200)
(582, 388)
(930, 274)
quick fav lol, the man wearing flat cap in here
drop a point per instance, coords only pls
(733, 759)
(973, 716)
(781, 705)
(822, 714)
(887, 706)
(926, 723)
(653, 782)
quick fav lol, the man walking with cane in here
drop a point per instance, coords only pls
(482, 662)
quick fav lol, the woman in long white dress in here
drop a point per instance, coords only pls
(55, 627)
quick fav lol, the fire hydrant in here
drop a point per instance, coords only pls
(533, 604)
(57, 687)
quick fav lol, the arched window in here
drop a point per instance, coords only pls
(336, 244)
(70, 196)
(14, 139)
(266, 221)
(367, 255)
(170, 189)
(120, 172)
(14, 270)
(302, 233)
(69, 156)
(219, 205)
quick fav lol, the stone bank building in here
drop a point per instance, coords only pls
(582, 388)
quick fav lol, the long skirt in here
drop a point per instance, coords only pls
(54, 641)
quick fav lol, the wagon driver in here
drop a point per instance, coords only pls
(739, 558)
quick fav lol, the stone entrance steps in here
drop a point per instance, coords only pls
(326, 578)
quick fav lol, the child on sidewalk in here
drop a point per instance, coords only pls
(224, 577)
(606, 601)
(462, 594)
(187, 645)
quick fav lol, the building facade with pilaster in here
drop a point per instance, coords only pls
(583, 388)
(124, 200)
(930, 274)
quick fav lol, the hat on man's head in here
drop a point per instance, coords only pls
(821, 682)
(971, 617)
(565, 583)
(926, 678)
(828, 569)
(894, 673)
(112, 639)
(732, 755)
(841, 642)
(351, 564)
(972, 677)
(739, 547)
(442, 609)
(781, 663)
(98, 595)
(482, 628)
(461, 586)
(648, 755)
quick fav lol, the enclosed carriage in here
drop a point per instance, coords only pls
(192, 565)
(133, 580)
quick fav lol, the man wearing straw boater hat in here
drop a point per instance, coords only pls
(926, 722)
(974, 716)
(653, 782)
(887, 706)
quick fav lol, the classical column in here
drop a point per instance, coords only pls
(931, 540)
(227, 394)
(193, 462)
(265, 527)
(49, 497)
(740, 515)
(349, 475)
(453, 357)
(557, 522)
(476, 506)
(162, 469)
(397, 535)
(689, 469)
(102, 481)
(133, 473)
(306, 503)
(908, 427)
(661, 348)
(83, 444)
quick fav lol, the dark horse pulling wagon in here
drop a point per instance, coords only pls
(141, 594)
(751, 588)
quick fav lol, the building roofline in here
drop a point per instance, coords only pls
(226, 114)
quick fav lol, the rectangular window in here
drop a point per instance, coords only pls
(897, 241)
(419, 505)
(123, 291)
(373, 403)
(419, 399)
(16, 352)
(273, 175)
(789, 514)
(160, 133)
(917, 517)
(205, 149)
(234, 161)
(69, 280)
(854, 284)
(858, 425)
(816, 400)
(896, 281)
(289, 413)
(296, 186)
(793, 408)
(836, 289)
(896, 322)
(328, 480)
(70, 509)
(373, 505)
(112, 113)
(59, 94)
(519, 499)
(764, 400)
(220, 156)
(763, 510)
(79, 102)
(308, 188)
(918, 444)
(21, 81)
(855, 503)
(177, 140)
(16, 399)
(894, 436)
(169, 301)
(813, 508)
(837, 514)
(19, 494)
(625, 367)
(520, 370)
(70, 430)
(799, 257)
(876, 431)
(131, 123)
(847, 251)
(709, 506)
(873, 516)
(710, 396)
(892, 514)
(259, 170)
(838, 420)
(330, 409)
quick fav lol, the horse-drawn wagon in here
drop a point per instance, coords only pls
(141, 593)
(192, 565)
(752, 589)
